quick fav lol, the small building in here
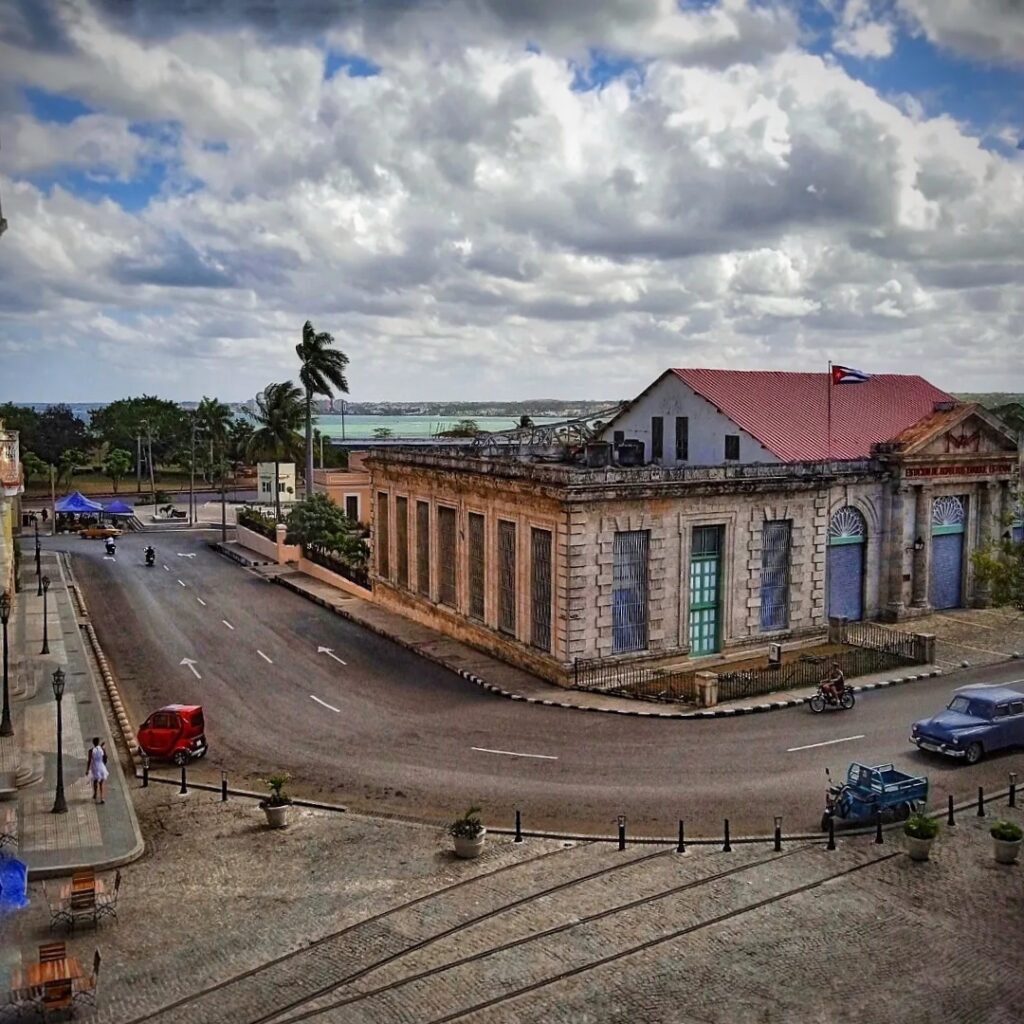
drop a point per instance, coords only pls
(285, 476)
(549, 558)
(348, 488)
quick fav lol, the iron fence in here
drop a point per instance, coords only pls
(634, 680)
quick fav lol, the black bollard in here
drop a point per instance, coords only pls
(519, 828)
(223, 787)
(726, 846)
(1013, 789)
(622, 831)
(831, 834)
(879, 838)
(184, 784)
(681, 848)
(950, 820)
(778, 834)
(145, 772)
(981, 801)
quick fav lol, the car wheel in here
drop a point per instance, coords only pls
(817, 703)
(180, 757)
(902, 812)
(847, 700)
(974, 753)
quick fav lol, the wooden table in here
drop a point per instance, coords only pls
(35, 976)
(82, 885)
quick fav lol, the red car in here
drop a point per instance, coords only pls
(174, 733)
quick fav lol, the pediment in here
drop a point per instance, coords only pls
(974, 436)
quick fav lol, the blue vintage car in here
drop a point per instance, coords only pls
(978, 720)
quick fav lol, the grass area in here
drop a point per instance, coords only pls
(96, 483)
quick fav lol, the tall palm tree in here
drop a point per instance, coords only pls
(214, 418)
(322, 367)
(278, 418)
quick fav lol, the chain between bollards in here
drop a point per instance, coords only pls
(950, 820)
(981, 801)
(519, 828)
(184, 784)
(726, 846)
(622, 831)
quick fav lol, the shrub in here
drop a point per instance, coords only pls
(469, 826)
(1007, 831)
(277, 798)
(920, 826)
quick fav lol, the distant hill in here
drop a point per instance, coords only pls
(990, 399)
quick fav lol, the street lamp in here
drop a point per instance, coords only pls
(6, 728)
(45, 584)
(59, 803)
(35, 523)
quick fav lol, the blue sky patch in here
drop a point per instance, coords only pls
(354, 65)
(603, 68)
(53, 107)
(131, 196)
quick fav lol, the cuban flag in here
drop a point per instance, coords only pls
(847, 375)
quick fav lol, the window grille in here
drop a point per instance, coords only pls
(352, 507)
(402, 540)
(775, 538)
(446, 555)
(507, 577)
(423, 547)
(477, 565)
(629, 591)
(383, 538)
(682, 438)
(540, 589)
(657, 437)
(732, 447)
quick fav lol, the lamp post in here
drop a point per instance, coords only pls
(60, 805)
(39, 586)
(6, 728)
(45, 583)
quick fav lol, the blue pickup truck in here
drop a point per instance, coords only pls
(977, 721)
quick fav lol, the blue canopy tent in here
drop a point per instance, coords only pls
(118, 508)
(13, 885)
(77, 502)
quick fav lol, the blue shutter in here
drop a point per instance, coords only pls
(947, 569)
(845, 572)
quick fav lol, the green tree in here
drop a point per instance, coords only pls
(34, 467)
(278, 416)
(323, 368)
(23, 419)
(68, 464)
(464, 428)
(153, 419)
(58, 430)
(1000, 566)
(239, 434)
(381, 433)
(319, 525)
(214, 419)
(116, 465)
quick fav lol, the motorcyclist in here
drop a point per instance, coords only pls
(150, 554)
(834, 684)
(111, 547)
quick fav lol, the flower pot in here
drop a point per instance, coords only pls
(277, 816)
(1006, 850)
(918, 849)
(469, 848)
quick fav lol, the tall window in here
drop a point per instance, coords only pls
(446, 555)
(540, 589)
(423, 547)
(352, 507)
(775, 538)
(618, 436)
(657, 437)
(629, 591)
(402, 540)
(732, 447)
(477, 565)
(682, 438)
(383, 538)
(507, 577)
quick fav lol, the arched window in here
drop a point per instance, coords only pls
(847, 526)
(844, 572)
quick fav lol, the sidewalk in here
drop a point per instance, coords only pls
(89, 834)
(508, 681)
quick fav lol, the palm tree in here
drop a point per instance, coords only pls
(322, 367)
(278, 419)
(215, 418)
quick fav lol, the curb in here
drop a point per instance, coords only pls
(235, 556)
(748, 709)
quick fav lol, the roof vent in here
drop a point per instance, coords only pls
(945, 406)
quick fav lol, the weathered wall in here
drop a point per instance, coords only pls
(334, 579)
(279, 552)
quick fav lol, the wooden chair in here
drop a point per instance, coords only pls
(84, 879)
(50, 951)
(106, 903)
(8, 828)
(83, 907)
(87, 989)
(57, 996)
(59, 912)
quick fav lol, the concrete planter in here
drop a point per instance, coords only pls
(277, 817)
(918, 849)
(1006, 850)
(467, 849)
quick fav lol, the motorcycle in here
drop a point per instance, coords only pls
(111, 548)
(822, 700)
(150, 557)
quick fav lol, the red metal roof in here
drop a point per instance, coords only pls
(788, 412)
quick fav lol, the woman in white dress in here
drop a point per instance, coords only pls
(97, 768)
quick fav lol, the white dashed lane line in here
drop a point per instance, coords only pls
(330, 707)
(264, 657)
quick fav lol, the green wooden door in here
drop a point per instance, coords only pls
(705, 573)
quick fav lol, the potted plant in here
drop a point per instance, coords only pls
(920, 831)
(1006, 838)
(469, 834)
(276, 805)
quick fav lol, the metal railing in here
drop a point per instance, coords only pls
(634, 680)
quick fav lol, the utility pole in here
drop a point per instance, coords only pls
(53, 503)
(138, 463)
(192, 476)
(149, 459)
(223, 500)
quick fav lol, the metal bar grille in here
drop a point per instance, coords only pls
(775, 538)
(629, 591)
(402, 540)
(540, 589)
(446, 555)
(383, 537)
(423, 547)
(634, 680)
(507, 577)
(477, 565)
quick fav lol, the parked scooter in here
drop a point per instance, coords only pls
(822, 700)
(150, 556)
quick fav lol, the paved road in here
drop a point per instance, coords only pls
(389, 732)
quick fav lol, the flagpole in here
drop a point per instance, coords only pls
(828, 384)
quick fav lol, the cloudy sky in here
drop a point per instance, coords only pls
(501, 199)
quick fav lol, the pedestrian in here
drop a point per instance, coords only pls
(97, 768)
(45, 515)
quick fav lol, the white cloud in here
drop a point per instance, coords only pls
(991, 30)
(97, 142)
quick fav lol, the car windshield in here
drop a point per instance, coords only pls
(974, 708)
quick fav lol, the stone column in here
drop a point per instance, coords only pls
(988, 504)
(922, 558)
(894, 552)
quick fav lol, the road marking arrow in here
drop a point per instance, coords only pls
(264, 657)
(192, 666)
(190, 554)
(325, 704)
(330, 653)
